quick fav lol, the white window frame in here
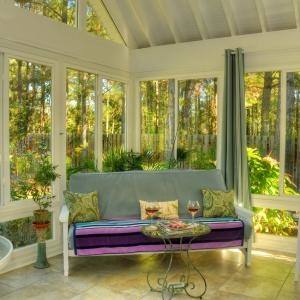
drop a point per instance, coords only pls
(13, 210)
(202, 75)
(98, 110)
(281, 201)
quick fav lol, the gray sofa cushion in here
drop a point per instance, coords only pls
(120, 192)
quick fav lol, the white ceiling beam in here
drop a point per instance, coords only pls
(229, 17)
(261, 15)
(163, 11)
(202, 28)
(116, 15)
(297, 13)
(137, 14)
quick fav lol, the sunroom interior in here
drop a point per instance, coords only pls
(149, 88)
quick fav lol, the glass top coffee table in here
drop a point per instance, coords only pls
(177, 240)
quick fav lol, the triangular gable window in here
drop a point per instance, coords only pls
(99, 22)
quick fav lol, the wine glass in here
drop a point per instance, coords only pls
(151, 209)
(193, 208)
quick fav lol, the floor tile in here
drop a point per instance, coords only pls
(270, 277)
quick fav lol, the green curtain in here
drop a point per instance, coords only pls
(234, 164)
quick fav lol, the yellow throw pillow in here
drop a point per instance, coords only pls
(167, 209)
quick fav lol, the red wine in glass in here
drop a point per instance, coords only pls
(151, 211)
(193, 208)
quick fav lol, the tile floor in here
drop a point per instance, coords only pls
(117, 278)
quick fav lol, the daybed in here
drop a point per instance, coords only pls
(119, 230)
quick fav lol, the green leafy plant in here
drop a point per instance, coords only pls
(264, 179)
(275, 221)
(120, 160)
(264, 174)
(85, 166)
(38, 188)
(204, 160)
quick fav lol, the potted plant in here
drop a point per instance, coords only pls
(39, 190)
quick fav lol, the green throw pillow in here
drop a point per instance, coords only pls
(218, 204)
(82, 207)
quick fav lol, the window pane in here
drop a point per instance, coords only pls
(262, 95)
(60, 10)
(275, 221)
(21, 232)
(81, 112)
(113, 121)
(30, 103)
(292, 147)
(94, 24)
(157, 117)
(197, 123)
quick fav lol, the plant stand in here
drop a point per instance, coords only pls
(41, 260)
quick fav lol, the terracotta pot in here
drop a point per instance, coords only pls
(40, 226)
(41, 216)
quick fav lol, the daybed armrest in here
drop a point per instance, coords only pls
(244, 214)
(64, 214)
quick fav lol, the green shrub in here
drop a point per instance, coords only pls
(264, 179)
(121, 160)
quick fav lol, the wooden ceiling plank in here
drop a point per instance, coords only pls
(297, 13)
(136, 13)
(229, 17)
(170, 23)
(202, 28)
(261, 15)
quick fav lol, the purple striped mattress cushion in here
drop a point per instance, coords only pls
(125, 237)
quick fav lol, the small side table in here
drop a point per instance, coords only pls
(173, 241)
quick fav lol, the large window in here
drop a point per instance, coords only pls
(80, 120)
(60, 10)
(292, 146)
(268, 174)
(113, 115)
(157, 117)
(30, 119)
(197, 123)
(262, 95)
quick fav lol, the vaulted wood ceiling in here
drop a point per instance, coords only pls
(147, 23)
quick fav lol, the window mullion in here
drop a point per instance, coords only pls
(5, 136)
(99, 129)
(59, 109)
(282, 131)
(1, 127)
(81, 14)
(138, 115)
(176, 103)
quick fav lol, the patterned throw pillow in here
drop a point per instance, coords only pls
(167, 209)
(82, 207)
(218, 204)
